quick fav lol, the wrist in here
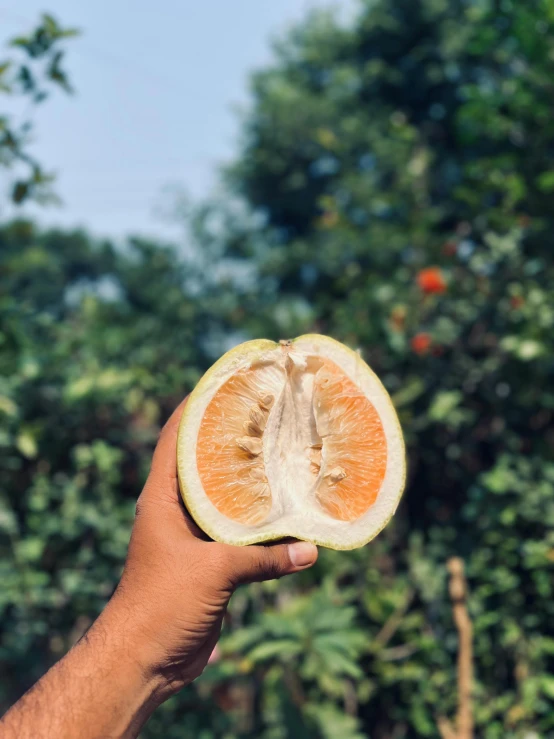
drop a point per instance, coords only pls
(120, 653)
(125, 631)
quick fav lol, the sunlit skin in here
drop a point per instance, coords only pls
(158, 630)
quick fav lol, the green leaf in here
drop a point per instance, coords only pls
(334, 723)
(7, 406)
(26, 444)
(547, 684)
(545, 181)
(443, 404)
(279, 648)
(20, 191)
(410, 391)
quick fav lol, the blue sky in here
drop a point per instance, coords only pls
(158, 87)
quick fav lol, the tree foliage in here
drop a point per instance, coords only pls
(32, 72)
(392, 190)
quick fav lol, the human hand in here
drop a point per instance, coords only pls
(176, 583)
(158, 630)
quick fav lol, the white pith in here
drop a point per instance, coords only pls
(295, 511)
(289, 432)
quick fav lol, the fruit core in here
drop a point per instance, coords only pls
(291, 432)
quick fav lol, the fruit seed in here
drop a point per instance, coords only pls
(250, 444)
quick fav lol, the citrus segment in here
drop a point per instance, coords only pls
(229, 449)
(354, 446)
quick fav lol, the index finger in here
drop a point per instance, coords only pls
(162, 485)
(164, 461)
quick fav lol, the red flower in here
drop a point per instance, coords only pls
(431, 280)
(421, 343)
(517, 301)
(449, 248)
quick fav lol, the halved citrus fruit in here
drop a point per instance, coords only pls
(297, 439)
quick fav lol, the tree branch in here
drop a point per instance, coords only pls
(458, 596)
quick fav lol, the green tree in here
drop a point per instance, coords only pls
(392, 190)
(97, 347)
(33, 70)
(400, 167)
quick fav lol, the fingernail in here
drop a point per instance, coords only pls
(302, 553)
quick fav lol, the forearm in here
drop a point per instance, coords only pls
(99, 689)
(158, 631)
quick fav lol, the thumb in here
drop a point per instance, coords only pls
(256, 563)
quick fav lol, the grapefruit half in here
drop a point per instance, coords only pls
(297, 439)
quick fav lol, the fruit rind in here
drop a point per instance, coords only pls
(242, 356)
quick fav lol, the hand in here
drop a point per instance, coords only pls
(176, 584)
(158, 630)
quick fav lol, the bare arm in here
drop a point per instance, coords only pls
(158, 630)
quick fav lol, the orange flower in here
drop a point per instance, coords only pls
(431, 280)
(421, 343)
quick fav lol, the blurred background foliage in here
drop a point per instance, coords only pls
(393, 189)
